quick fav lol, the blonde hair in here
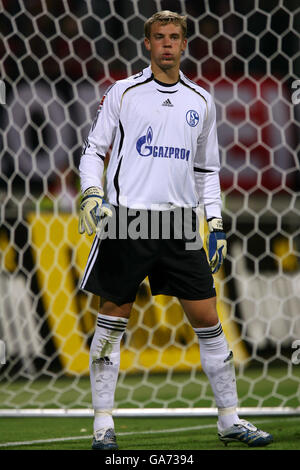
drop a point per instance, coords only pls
(165, 17)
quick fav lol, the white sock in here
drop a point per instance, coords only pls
(103, 420)
(217, 363)
(104, 367)
(227, 417)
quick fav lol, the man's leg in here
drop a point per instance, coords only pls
(217, 363)
(104, 369)
(216, 358)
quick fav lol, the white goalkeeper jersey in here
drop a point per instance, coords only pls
(164, 150)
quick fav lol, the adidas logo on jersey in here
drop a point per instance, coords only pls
(167, 102)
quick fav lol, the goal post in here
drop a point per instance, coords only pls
(57, 60)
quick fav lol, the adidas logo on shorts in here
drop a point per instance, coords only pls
(167, 102)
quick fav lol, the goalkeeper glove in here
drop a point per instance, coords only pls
(92, 210)
(216, 244)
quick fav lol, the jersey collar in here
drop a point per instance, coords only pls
(150, 74)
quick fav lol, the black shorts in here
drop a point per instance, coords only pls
(117, 266)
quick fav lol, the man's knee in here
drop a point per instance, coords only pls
(110, 308)
(201, 313)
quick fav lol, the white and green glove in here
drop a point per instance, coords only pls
(92, 210)
(216, 244)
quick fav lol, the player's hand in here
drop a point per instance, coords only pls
(216, 244)
(92, 210)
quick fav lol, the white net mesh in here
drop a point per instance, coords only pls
(58, 56)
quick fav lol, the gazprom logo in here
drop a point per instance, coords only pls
(145, 149)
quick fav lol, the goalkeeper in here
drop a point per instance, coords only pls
(164, 159)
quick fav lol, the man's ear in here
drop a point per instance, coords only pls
(147, 44)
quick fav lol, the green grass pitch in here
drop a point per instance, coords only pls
(139, 434)
(194, 433)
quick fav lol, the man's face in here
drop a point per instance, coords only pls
(166, 45)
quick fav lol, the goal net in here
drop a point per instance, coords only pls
(57, 60)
